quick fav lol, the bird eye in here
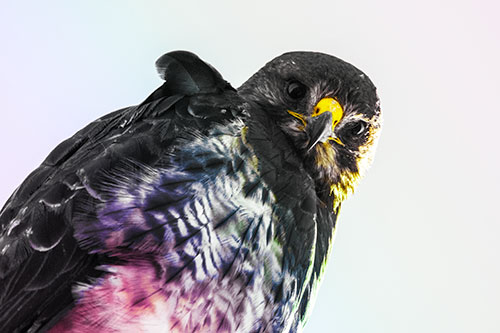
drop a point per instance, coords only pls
(296, 90)
(355, 129)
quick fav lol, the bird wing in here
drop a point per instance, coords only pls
(48, 235)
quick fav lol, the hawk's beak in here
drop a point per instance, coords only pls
(321, 125)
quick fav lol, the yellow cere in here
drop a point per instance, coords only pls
(331, 105)
(326, 104)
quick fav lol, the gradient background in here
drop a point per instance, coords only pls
(417, 248)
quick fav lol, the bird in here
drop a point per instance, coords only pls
(204, 208)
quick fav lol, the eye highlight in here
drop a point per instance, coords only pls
(358, 128)
(354, 130)
(296, 90)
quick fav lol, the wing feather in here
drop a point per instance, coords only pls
(40, 257)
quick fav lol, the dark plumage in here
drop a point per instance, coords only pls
(204, 208)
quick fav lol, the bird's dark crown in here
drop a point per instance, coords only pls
(289, 88)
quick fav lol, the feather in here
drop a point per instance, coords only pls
(196, 210)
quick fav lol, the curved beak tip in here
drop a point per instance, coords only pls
(321, 125)
(319, 129)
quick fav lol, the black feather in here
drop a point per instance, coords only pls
(122, 188)
(186, 74)
(38, 268)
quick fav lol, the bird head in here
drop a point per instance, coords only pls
(329, 111)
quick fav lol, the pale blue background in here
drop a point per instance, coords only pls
(417, 248)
